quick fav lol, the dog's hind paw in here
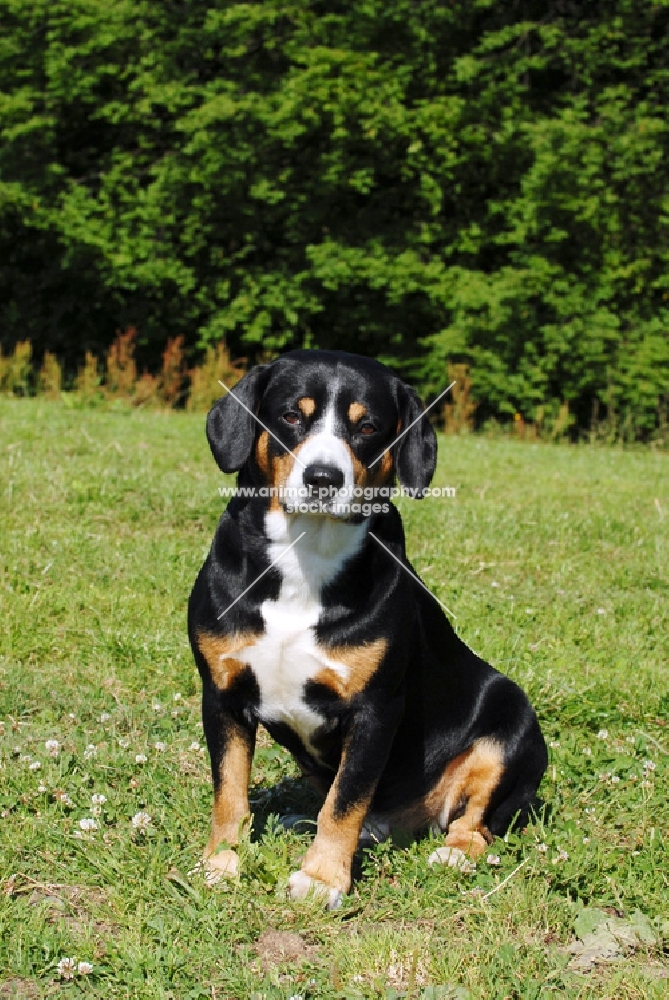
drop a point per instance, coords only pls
(451, 856)
(300, 885)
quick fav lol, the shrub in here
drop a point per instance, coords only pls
(204, 380)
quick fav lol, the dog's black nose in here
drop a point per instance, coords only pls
(323, 477)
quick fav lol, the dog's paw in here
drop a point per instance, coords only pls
(224, 864)
(451, 856)
(300, 885)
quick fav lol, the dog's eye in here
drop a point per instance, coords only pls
(366, 429)
(291, 417)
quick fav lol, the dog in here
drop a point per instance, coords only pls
(308, 618)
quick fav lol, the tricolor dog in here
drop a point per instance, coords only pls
(308, 618)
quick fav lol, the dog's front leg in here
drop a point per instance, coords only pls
(231, 741)
(326, 867)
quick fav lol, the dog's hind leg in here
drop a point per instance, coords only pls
(465, 792)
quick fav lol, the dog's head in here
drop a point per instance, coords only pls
(319, 426)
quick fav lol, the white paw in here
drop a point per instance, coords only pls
(225, 864)
(300, 885)
(451, 856)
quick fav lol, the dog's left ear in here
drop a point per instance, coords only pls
(231, 427)
(416, 451)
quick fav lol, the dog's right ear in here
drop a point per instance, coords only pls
(231, 427)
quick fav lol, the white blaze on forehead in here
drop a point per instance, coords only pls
(323, 447)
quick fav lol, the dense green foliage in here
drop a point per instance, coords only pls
(483, 182)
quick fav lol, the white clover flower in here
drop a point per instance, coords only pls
(66, 968)
(586, 840)
(561, 856)
(587, 751)
(98, 799)
(494, 583)
(140, 758)
(467, 867)
(648, 765)
(35, 766)
(542, 848)
(601, 611)
(87, 824)
(603, 734)
(177, 696)
(42, 787)
(194, 745)
(157, 707)
(63, 798)
(90, 751)
(24, 758)
(160, 746)
(141, 821)
(52, 747)
(124, 742)
(615, 778)
(630, 739)
(105, 717)
(493, 859)
(554, 744)
(84, 968)
(646, 783)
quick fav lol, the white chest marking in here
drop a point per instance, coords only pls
(287, 655)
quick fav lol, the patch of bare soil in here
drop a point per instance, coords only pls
(275, 948)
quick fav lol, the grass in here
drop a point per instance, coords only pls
(554, 561)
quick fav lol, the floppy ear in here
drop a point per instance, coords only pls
(231, 428)
(416, 451)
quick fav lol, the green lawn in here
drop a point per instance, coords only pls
(553, 559)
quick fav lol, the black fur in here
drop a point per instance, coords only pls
(431, 698)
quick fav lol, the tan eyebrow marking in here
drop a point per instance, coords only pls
(307, 405)
(356, 411)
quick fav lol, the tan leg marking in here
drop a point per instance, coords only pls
(306, 405)
(465, 787)
(326, 867)
(470, 778)
(329, 857)
(231, 813)
(362, 662)
(356, 411)
(218, 651)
